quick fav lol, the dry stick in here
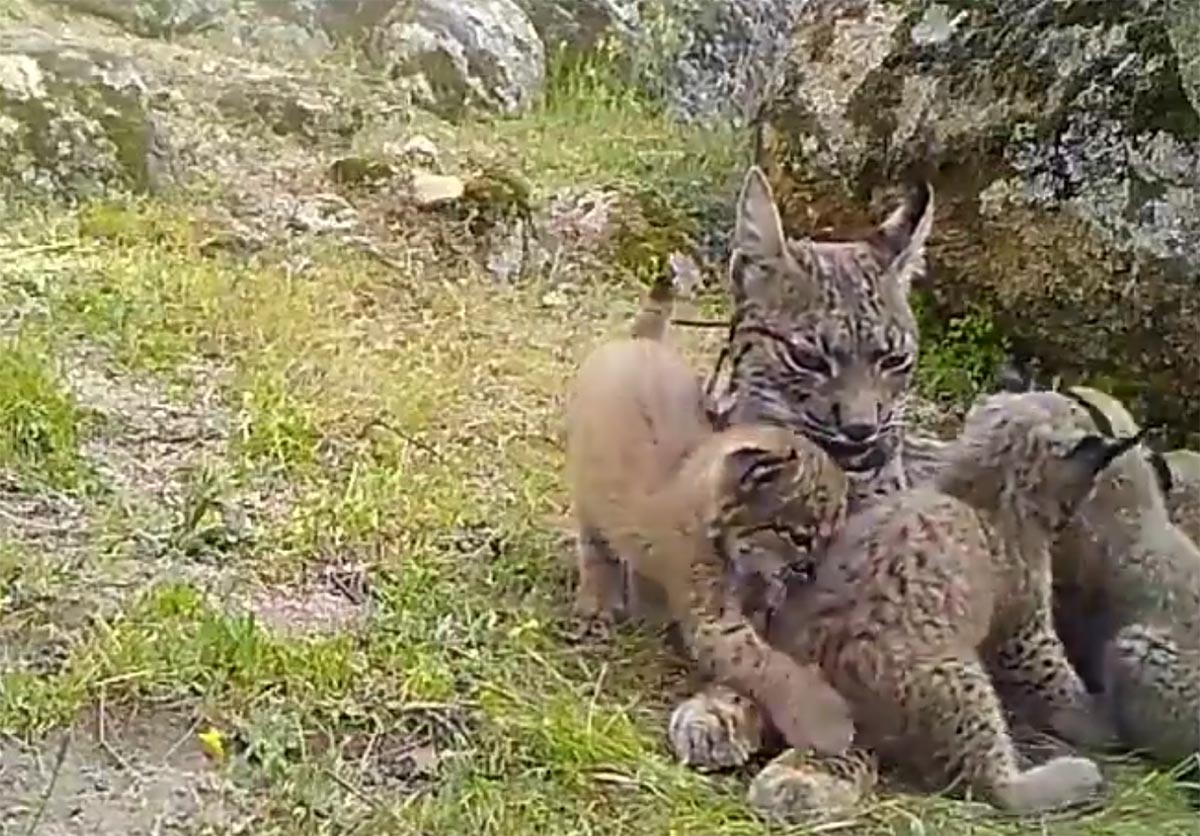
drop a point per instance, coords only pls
(58, 763)
(104, 744)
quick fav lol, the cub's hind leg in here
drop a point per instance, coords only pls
(951, 720)
(600, 593)
(1152, 689)
(717, 728)
(1032, 673)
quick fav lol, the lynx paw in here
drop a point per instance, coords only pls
(715, 729)
(1062, 782)
(591, 627)
(794, 788)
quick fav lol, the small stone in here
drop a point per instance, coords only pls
(430, 189)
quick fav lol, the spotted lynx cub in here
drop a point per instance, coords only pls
(671, 510)
(822, 341)
(935, 599)
(1136, 611)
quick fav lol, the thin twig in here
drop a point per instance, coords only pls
(103, 737)
(38, 249)
(45, 800)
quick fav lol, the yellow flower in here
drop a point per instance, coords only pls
(213, 744)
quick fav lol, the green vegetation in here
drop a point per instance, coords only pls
(400, 424)
(959, 356)
(39, 420)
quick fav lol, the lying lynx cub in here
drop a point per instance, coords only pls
(1138, 576)
(664, 502)
(935, 599)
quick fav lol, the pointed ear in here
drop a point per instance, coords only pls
(903, 235)
(1096, 452)
(758, 232)
(747, 470)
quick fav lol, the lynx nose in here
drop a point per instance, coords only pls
(858, 431)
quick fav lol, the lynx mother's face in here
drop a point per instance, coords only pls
(824, 340)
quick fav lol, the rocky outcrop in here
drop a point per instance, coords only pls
(1064, 143)
(579, 26)
(74, 120)
(154, 18)
(465, 54)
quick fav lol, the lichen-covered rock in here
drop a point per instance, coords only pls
(578, 26)
(714, 59)
(1065, 151)
(74, 120)
(155, 18)
(339, 19)
(465, 54)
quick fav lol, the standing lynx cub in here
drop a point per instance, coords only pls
(934, 601)
(664, 503)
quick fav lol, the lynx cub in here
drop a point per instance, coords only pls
(934, 600)
(1138, 581)
(664, 502)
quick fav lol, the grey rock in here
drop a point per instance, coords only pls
(465, 54)
(154, 18)
(1063, 140)
(715, 59)
(339, 19)
(579, 26)
(75, 120)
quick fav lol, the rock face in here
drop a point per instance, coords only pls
(577, 26)
(74, 120)
(154, 18)
(464, 54)
(1063, 140)
(715, 59)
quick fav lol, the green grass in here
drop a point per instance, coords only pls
(407, 421)
(40, 422)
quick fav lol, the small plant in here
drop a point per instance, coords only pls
(39, 419)
(959, 355)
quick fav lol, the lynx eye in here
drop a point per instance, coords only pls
(894, 362)
(808, 361)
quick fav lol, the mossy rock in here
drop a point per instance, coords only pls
(1064, 149)
(74, 120)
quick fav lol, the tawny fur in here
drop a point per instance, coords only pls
(662, 500)
(935, 600)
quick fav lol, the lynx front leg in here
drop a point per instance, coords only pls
(600, 595)
(1152, 688)
(1031, 670)
(717, 728)
(797, 699)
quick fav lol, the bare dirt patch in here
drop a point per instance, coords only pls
(146, 775)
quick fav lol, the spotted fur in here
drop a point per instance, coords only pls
(935, 601)
(1131, 622)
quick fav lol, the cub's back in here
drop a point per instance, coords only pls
(916, 563)
(636, 410)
